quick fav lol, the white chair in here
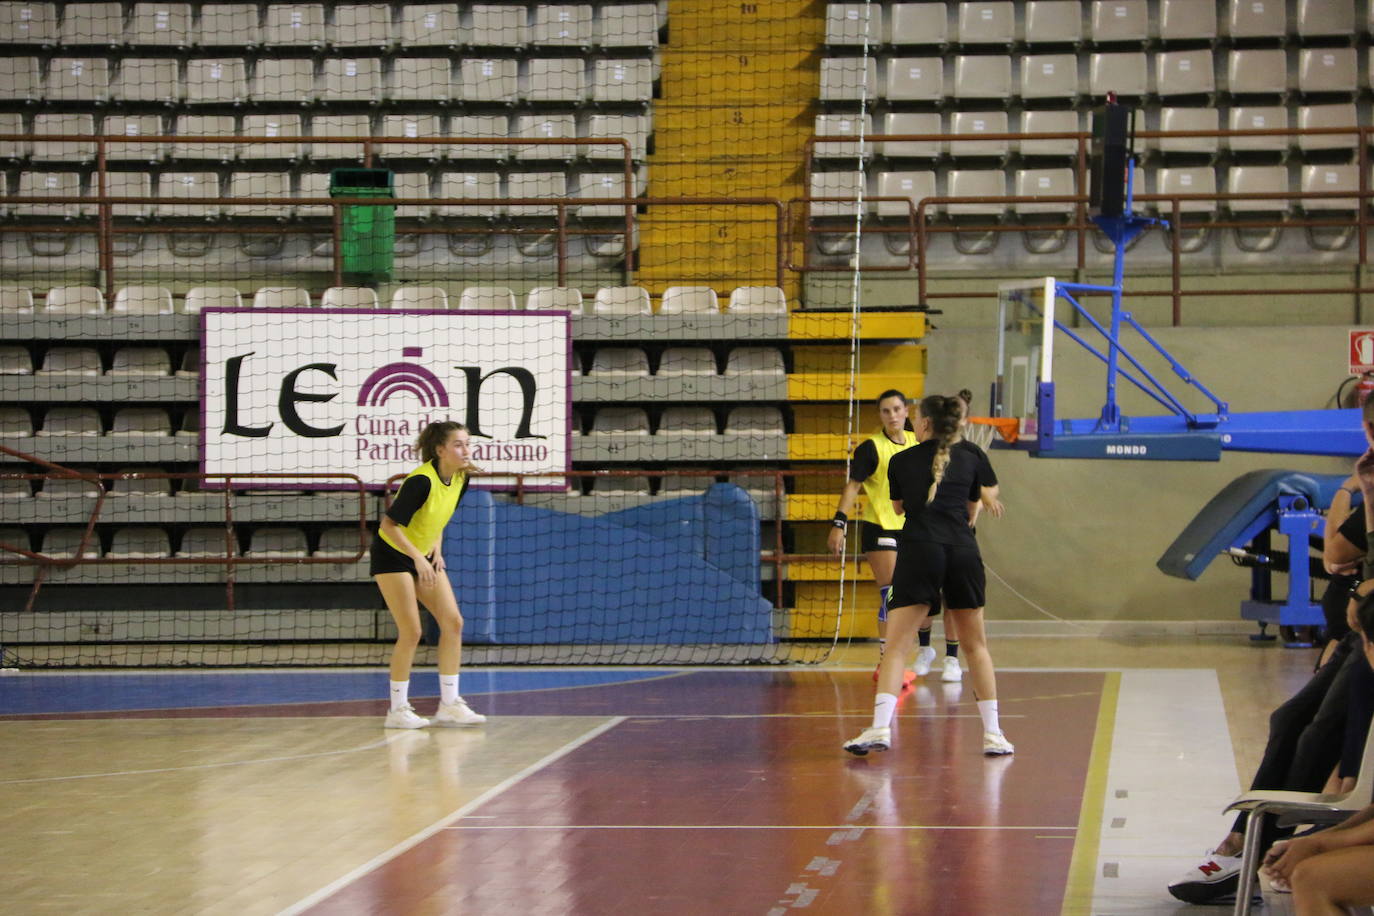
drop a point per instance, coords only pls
(15, 422)
(203, 297)
(342, 542)
(62, 150)
(554, 297)
(430, 25)
(143, 300)
(28, 23)
(620, 362)
(914, 186)
(471, 186)
(1044, 183)
(65, 542)
(141, 421)
(71, 421)
(1187, 20)
(561, 26)
(49, 184)
(1323, 18)
(853, 24)
(1049, 76)
(173, 186)
(130, 184)
(758, 420)
(987, 23)
(77, 79)
(12, 122)
(1257, 179)
(687, 421)
(421, 128)
(973, 123)
(129, 125)
(139, 544)
(1331, 178)
(1258, 117)
(287, 25)
(71, 487)
(421, 79)
(906, 79)
(762, 300)
(842, 125)
(1122, 72)
(1253, 71)
(846, 186)
(917, 24)
(1119, 20)
(160, 24)
(489, 79)
(911, 123)
(205, 542)
(1184, 119)
(188, 126)
(620, 486)
(1327, 116)
(284, 80)
(555, 79)
(362, 25)
(1190, 180)
(976, 183)
(148, 80)
(349, 297)
(71, 361)
(286, 543)
(16, 299)
(337, 125)
(1184, 73)
(630, 26)
(281, 297)
(91, 24)
(754, 361)
(634, 129)
(620, 80)
(1327, 70)
(532, 185)
(678, 300)
(13, 489)
(430, 298)
(677, 362)
(351, 79)
(141, 483)
(601, 185)
(265, 185)
(545, 127)
(229, 24)
(1257, 18)
(74, 300)
(477, 127)
(15, 360)
(498, 26)
(1053, 22)
(622, 300)
(487, 298)
(152, 361)
(1049, 122)
(216, 80)
(621, 421)
(982, 76)
(22, 76)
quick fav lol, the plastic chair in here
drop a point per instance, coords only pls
(1184, 73)
(620, 362)
(216, 80)
(982, 76)
(77, 79)
(845, 125)
(74, 300)
(141, 421)
(1323, 18)
(229, 24)
(976, 183)
(621, 421)
(622, 300)
(147, 80)
(1327, 70)
(64, 542)
(851, 78)
(1191, 180)
(362, 25)
(471, 185)
(284, 80)
(477, 127)
(203, 297)
(1252, 71)
(1182, 20)
(987, 23)
(487, 298)
(562, 26)
(764, 420)
(633, 128)
(552, 185)
(1339, 115)
(621, 80)
(1048, 122)
(278, 542)
(630, 26)
(140, 486)
(917, 24)
(71, 421)
(1124, 73)
(294, 25)
(915, 186)
(140, 544)
(754, 361)
(907, 79)
(430, 25)
(853, 24)
(280, 297)
(140, 361)
(1331, 178)
(554, 297)
(16, 299)
(23, 77)
(677, 362)
(28, 23)
(687, 421)
(180, 185)
(1258, 117)
(15, 360)
(763, 300)
(349, 297)
(1049, 76)
(1257, 18)
(15, 422)
(967, 123)
(161, 24)
(847, 185)
(207, 542)
(351, 79)
(1189, 119)
(909, 122)
(497, 26)
(421, 79)
(1044, 183)
(341, 542)
(61, 150)
(49, 184)
(683, 299)
(419, 297)
(1119, 20)
(1053, 22)
(333, 125)
(489, 80)
(143, 300)
(561, 80)
(544, 127)
(129, 125)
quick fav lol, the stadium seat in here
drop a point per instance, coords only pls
(173, 186)
(622, 300)
(70, 421)
(147, 80)
(14, 489)
(915, 186)
(140, 361)
(755, 419)
(478, 127)
(12, 122)
(15, 422)
(284, 80)
(430, 298)
(488, 298)
(846, 185)
(633, 128)
(906, 79)
(188, 126)
(128, 125)
(281, 297)
(545, 127)
(1258, 117)
(1049, 76)
(1119, 20)
(416, 127)
(560, 80)
(92, 24)
(601, 185)
(1188, 119)
(987, 23)
(761, 300)
(139, 544)
(22, 77)
(976, 183)
(229, 24)
(1344, 178)
(1184, 73)
(216, 80)
(430, 25)
(1187, 20)
(272, 125)
(74, 300)
(620, 420)
(1327, 70)
(754, 361)
(1324, 18)
(1044, 183)
(841, 125)
(362, 25)
(1124, 73)
(1255, 71)
(140, 486)
(1257, 179)
(472, 186)
(351, 79)
(337, 125)
(630, 26)
(291, 25)
(917, 25)
(160, 24)
(15, 360)
(679, 300)
(64, 542)
(497, 26)
(622, 80)
(676, 362)
(342, 541)
(636, 485)
(620, 361)
(16, 299)
(972, 123)
(535, 185)
(77, 79)
(849, 78)
(554, 297)
(561, 26)
(48, 184)
(413, 186)
(266, 185)
(190, 419)
(1192, 180)
(1053, 22)
(853, 24)
(982, 76)
(1049, 122)
(59, 150)
(28, 23)
(911, 123)
(129, 184)
(489, 80)
(143, 300)
(687, 421)
(277, 542)
(420, 79)
(203, 297)
(349, 297)
(207, 542)
(1339, 115)
(141, 421)
(1256, 18)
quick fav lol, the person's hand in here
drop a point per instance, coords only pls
(1342, 569)
(1285, 856)
(427, 574)
(436, 560)
(994, 507)
(835, 541)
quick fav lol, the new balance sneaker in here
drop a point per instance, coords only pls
(995, 744)
(870, 739)
(1213, 880)
(952, 673)
(925, 657)
(457, 715)
(404, 717)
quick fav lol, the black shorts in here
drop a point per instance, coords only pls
(926, 569)
(873, 536)
(387, 559)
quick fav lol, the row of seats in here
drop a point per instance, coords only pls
(1064, 21)
(85, 421)
(678, 362)
(300, 81)
(418, 186)
(155, 543)
(611, 300)
(425, 129)
(1061, 77)
(319, 25)
(84, 361)
(1247, 180)
(1029, 123)
(695, 421)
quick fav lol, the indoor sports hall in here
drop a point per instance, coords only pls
(666, 262)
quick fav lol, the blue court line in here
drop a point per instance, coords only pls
(56, 693)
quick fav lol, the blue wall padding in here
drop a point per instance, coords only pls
(677, 571)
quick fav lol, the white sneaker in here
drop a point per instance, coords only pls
(952, 673)
(995, 744)
(925, 657)
(457, 714)
(870, 739)
(1213, 880)
(404, 717)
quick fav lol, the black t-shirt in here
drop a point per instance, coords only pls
(865, 461)
(1353, 528)
(945, 519)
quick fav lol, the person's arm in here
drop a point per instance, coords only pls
(1339, 555)
(848, 496)
(1364, 472)
(1357, 830)
(988, 489)
(413, 493)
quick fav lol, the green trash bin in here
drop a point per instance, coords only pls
(367, 237)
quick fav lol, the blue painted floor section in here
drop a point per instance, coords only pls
(28, 694)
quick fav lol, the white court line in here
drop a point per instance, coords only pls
(416, 839)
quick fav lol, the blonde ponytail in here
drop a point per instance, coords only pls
(944, 415)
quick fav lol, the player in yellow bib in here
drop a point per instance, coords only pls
(408, 567)
(881, 526)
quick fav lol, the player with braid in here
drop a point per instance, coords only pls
(934, 485)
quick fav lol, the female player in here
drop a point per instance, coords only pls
(408, 564)
(933, 485)
(881, 526)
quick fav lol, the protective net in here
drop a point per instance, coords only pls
(251, 247)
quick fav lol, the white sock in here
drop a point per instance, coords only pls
(400, 693)
(448, 688)
(884, 708)
(988, 710)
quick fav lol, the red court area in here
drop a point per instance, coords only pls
(727, 792)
